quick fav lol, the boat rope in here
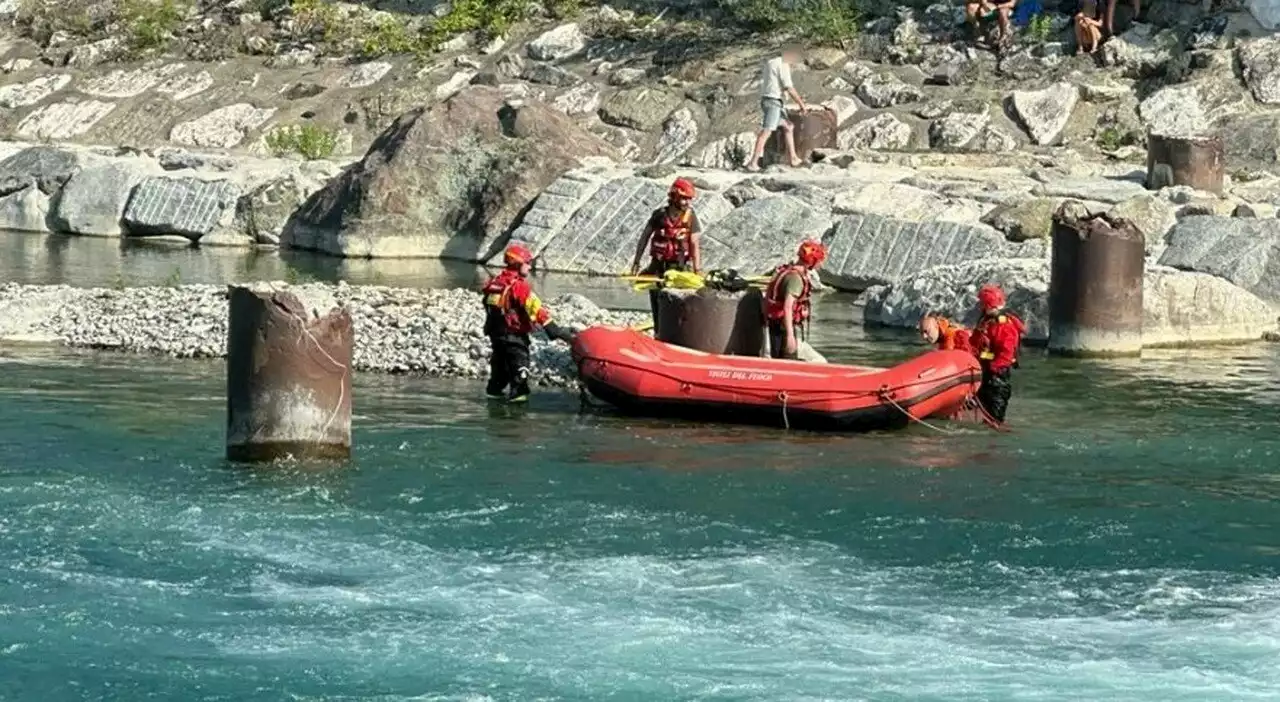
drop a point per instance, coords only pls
(887, 397)
(786, 423)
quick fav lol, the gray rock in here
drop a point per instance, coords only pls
(1251, 139)
(762, 233)
(546, 74)
(868, 250)
(1178, 307)
(727, 153)
(171, 159)
(365, 74)
(1243, 251)
(1260, 59)
(126, 84)
(1174, 111)
(1108, 190)
(626, 77)
(63, 120)
(559, 43)
(261, 213)
(1140, 52)
(187, 207)
(581, 100)
(644, 109)
(882, 91)
(905, 202)
(957, 129)
(1029, 219)
(1152, 215)
(1045, 113)
(1254, 210)
(223, 128)
(92, 54)
(679, 134)
(824, 58)
(93, 201)
(48, 166)
(884, 132)
(993, 140)
(550, 213)
(15, 95)
(25, 210)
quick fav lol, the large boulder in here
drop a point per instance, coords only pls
(48, 166)
(601, 234)
(186, 207)
(1045, 113)
(25, 209)
(262, 213)
(1260, 60)
(1178, 307)
(1243, 251)
(445, 181)
(762, 233)
(93, 200)
(867, 249)
(906, 202)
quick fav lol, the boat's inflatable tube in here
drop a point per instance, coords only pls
(639, 375)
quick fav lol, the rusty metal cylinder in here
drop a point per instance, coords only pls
(714, 321)
(288, 377)
(1095, 284)
(815, 129)
(1196, 162)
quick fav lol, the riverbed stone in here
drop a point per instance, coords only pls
(261, 213)
(1179, 307)
(365, 74)
(94, 53)
(186, 85)
(445, 180)
(93, 200)
(1045, 113)
(547, 74)
(868, 249)
(726, 153)
(223, 128)
(15, 95)
(187, 207)
(558, 44)
(583, 99)
(1260, 61)
(1107, 190)
(1243, 251)
(906, 202)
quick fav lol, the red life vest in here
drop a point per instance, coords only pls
(670, 242)
(775, 298)
(503, 313)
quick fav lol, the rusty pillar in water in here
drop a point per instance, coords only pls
(1197, 162)
(288, 377)
(1095, 285)
(713, 321)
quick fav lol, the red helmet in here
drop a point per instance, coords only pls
(517, 255)
(991, 297)
(682, 188)
(811, 254)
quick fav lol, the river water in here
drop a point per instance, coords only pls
(1119, 545)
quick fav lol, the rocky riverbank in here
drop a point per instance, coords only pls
(397, 330)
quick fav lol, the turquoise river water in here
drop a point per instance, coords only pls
(1121, 544)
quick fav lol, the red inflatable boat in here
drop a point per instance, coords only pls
(639, 375)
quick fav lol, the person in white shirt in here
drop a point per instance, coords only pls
(775, 81)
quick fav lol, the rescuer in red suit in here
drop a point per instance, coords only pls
(512, 312)
(995, 341)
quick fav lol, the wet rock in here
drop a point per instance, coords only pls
(581, 100)
(1045, 113)
(47, 166)
(1152, 215)
(559, 43)
(679, 134)
(17, 95)
(223, 128)
(448, 180)
(25, 210)
(1029, 219)
(1239, 250)
(880, 91)
(1260, 60)
(1174, 111)
(643, 109)
(187, 207)
(884, 132)
(93, 200)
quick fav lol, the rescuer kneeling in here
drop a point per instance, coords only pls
(995, 341)
(943, 333)
(512, 312)
(786, 300)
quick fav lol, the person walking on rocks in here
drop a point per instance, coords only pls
(671, 234)
(512, 312)
(995, 341)
(786, 300)
(775, 81)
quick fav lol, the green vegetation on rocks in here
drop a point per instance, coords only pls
(820, 21)
(310, 141)
(151, 23)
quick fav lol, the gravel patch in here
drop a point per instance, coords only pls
(397, 330)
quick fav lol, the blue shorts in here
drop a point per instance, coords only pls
(772, 109)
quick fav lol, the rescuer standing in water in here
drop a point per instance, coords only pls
(996, 340)
(671, 235)
(512, 312)
(786, 300)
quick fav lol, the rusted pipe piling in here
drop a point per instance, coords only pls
(1095, 284)
(1197, 162)
(713, 321)
(815, 129)
(288, 377)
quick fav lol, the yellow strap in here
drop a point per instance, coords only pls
(986, 356)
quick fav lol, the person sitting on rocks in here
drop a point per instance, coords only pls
(775, 80)
(671, 234)
(975, 11)
(512, 312)
(786, 300)
(1088, 27)
(943, 333)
